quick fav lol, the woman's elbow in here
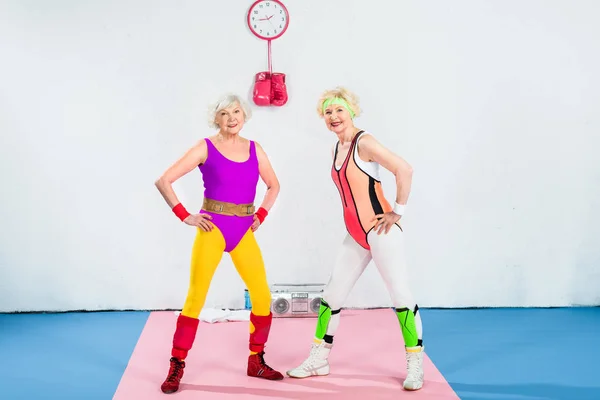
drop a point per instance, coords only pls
(161, 182)
(274, 187)
(405, 171)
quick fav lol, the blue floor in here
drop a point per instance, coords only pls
(517, 353)
(66, 356)
(483, 354)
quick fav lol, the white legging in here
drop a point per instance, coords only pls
(388, 255)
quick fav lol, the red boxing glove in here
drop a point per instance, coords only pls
(279, 94)
(262, 89)
(180, 211)
(261, 214)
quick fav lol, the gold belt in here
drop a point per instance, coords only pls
(222, 207)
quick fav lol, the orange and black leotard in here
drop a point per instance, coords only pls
(360, 191)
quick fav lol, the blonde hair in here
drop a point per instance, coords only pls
(223, 102)
(343, 93)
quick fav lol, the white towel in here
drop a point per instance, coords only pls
(212, 315)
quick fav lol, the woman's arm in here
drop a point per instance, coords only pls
(269, 177)
(190, 160)
(374, 151)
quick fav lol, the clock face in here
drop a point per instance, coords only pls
(268, 19)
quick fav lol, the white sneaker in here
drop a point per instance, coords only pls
(414, 366)
(316, 364)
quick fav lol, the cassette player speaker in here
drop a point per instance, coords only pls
(296, 300)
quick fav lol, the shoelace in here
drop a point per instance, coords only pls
(177, 367)
(263, 363)
(312, 357)
(413, 365)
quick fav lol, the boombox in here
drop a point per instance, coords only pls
(296, 300)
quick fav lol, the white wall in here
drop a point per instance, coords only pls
(494, 103)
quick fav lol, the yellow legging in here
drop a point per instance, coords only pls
(206, 255)
(207, 252)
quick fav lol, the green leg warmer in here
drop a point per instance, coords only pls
(409, 329)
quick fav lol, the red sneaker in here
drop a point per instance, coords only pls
(171, 384)
(258, 368)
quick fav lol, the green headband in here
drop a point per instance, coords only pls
(340, 101)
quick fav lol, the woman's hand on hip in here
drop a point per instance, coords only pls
(200, 220)
(385, 222)
(255, 223)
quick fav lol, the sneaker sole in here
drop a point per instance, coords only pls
(410, 389)
(267, 379)
(306, 376)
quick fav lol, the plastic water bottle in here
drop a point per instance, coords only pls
(248, 303)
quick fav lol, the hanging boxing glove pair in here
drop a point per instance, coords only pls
(269, 86)
(270, 89)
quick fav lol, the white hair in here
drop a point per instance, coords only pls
(223, 102)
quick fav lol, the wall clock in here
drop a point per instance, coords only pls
(268, 19)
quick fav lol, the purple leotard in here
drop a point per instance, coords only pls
(232, 182)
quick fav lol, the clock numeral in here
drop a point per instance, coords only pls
(260, 31)
(260, 6)
(252, 18)
(275, 31)
(283, 19)
(254, 26)
(280, 26)
(280, 11)
(268, 4)
(268, 33)
(255, 11)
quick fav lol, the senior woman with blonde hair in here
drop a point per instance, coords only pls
(231, 166)
(373, 233)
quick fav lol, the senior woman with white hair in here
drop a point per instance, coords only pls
(230, 166)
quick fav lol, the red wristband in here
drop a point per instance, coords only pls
(180, 211)
(261, 213)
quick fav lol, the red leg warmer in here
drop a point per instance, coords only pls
(184, 336)
(262, 326)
